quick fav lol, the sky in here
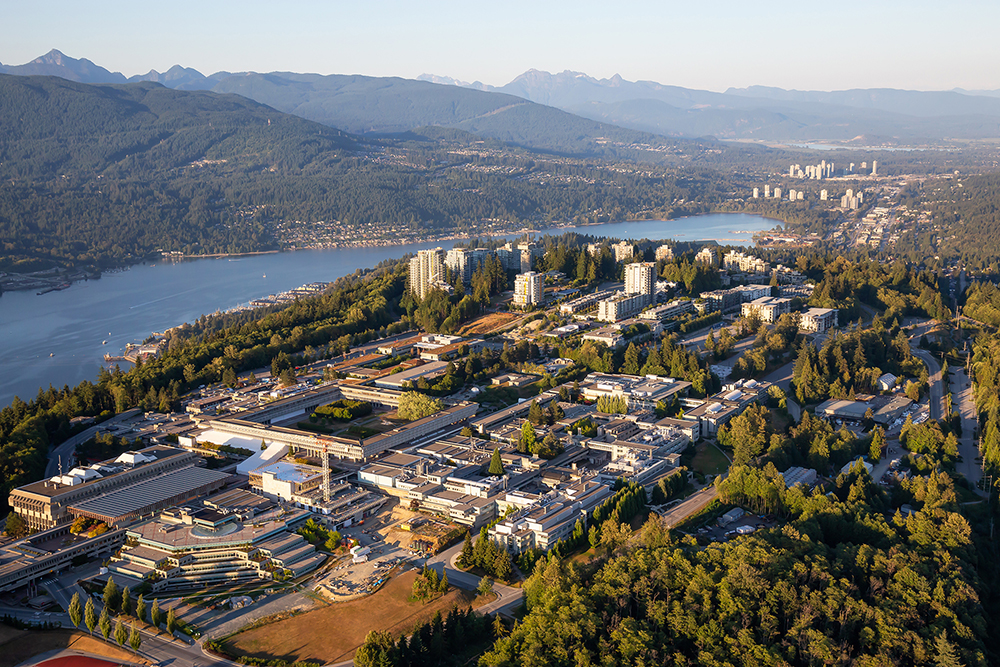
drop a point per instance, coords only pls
(709, 44)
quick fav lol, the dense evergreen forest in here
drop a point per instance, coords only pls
(847, 580)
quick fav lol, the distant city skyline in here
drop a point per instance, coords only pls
(713, 46)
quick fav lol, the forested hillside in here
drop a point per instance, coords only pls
(106, 174)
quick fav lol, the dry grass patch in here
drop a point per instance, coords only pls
(332, 634)
(26, 644)
(487, 323)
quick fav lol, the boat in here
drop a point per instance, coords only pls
(52, 354)
(265, 275)
(104, 342)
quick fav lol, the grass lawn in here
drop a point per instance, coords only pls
(332, 634)
(17, 646)
(709, 460)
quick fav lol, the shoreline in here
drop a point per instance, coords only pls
(53, 279)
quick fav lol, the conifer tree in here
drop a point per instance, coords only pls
(496, 464)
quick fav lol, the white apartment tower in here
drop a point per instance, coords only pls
(640, 279)
(529, 289)
(426, 269)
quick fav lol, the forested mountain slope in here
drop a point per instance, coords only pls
(109, 173)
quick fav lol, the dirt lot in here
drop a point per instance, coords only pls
(17, 646)
(432, 531)
(487, 323)
(333, 633)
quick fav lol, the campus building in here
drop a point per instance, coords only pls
(133, 483)
(215, 543)
(641, 393)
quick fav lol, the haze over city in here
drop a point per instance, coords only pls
(914, 45)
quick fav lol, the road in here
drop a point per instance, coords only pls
(694, 504)
(936, 387)
(508, 597)
(968, 449)
(782, 377)
(66, 449)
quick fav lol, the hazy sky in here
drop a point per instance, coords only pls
(709, 44)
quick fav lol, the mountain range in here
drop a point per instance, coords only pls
(580, 108)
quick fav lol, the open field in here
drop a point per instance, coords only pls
(17, 646)
(708, 460)
(333, 633)
(487, 323)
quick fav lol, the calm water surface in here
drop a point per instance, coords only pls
(125, 307)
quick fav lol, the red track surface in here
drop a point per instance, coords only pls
(77, 661)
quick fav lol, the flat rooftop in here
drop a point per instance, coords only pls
(135, 499)
(109, 469)
(171, 536)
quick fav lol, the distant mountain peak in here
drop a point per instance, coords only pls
(451, 81)
(57, 63)
(53, 57)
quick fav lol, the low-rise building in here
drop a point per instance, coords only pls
(549, 517)
(584, 302)
(621, 306)
(641, 393)
(748, 293)
(767, 308)
(669, 310)
(46, 504)
(819, 320)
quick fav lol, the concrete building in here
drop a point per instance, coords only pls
(819, 320)
(640, 279)
(463, 262)
(193, 547)
(664, 252)
(735, 260)
(705, 256)
(529, 289)
(547, 518)
(641, 393)
(426, 270)
(46, 504)
(623, 250)
(767, 308)
(621, 307)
